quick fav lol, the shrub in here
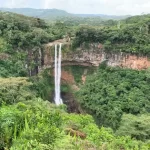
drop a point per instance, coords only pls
(111, 92)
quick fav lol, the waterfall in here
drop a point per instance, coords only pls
(58, 99)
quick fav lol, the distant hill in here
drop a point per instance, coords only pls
(55, 13)
(103, 16)
(40, 13)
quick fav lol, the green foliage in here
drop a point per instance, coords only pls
(11, 123)
(29, 123)
(19, 37)
(22, 144)
(59, 30)
(77, 122)
(12, 68)
(92, 21)
(131, 36)
(3, 45)
(13, 90)
(22, 39)
(110, 92)
(16, 28)
(36, 124)
(135, 126)
(40, 125)
(43, 85)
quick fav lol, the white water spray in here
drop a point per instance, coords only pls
(58, 99)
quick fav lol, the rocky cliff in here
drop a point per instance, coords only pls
(93, 56)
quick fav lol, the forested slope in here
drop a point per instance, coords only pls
(54, 14)
(21, 38)
(118, 99)
(131, 35)
(111, 95)
(28, 122)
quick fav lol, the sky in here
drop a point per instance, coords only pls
(109, 7)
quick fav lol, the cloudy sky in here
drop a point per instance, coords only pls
(111, 7)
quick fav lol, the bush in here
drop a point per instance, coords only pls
(39, 125)
(111, 92)
(11, 124)
(13, 90)
(135, 126)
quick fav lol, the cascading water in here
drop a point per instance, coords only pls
(58, 99)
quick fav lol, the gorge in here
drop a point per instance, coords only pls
(80, 83)
(94, 55)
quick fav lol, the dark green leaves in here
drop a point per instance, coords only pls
(113, 91)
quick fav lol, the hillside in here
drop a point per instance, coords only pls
(105, 108)
(131, 35)
(52, 14)
(40, 13)
(21, 40)
(28, 122)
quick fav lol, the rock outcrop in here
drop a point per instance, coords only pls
(94, 56)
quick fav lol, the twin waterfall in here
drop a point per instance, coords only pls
(58, 100)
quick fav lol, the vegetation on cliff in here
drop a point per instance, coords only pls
(28, 122)
(21, 43)
(118, 99)
(113, 94)
(131, 35)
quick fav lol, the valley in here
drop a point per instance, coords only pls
(104, 82)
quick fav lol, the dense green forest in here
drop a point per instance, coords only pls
(21, 38)
(29, 122)
(115, 102)
(112, 92)
(131, 35)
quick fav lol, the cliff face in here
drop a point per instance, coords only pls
(94, 56)
(91, 56)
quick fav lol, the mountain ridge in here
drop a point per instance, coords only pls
(54, 13)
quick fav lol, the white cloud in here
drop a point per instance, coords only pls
(15, 3)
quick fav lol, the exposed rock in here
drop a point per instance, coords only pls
(68, 77)
(135, 62)
(95, 55)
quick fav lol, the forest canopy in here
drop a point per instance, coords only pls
(114, 102)
(131, 35)
(112, 92)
